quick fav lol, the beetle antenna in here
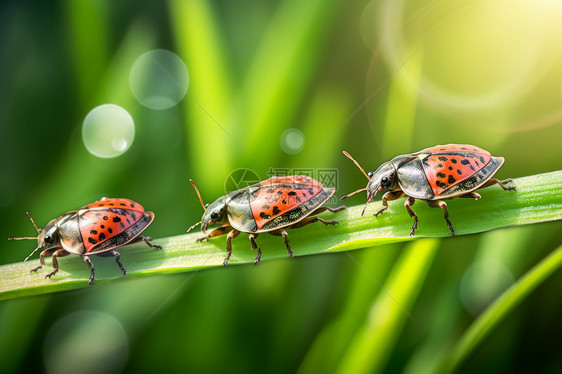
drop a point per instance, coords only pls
(199, 195)
(356, 163)
(193, 226)
(32, 221)
(28, 237)
(31, 254)
(353, 193)
(371, 196)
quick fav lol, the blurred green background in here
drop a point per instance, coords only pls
(276, 84)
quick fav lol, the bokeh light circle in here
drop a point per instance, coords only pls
(86, 342)
(159, 79)
(292, 141)
(108, 131)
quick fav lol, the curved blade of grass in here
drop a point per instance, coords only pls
(496, 313)
(200, 44)
(389, 313)
(537, 199)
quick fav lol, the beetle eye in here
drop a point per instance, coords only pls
(214, 215)
(385, 181)
(48, 239)
(370, 174)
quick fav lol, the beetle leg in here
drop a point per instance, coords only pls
(216, 232)
(255, 246)
(147, 240)
(92, 275)
(408, 204)
(472, 194)
(309, 220)
(231, 235)
(45, 253)
(284, 234)
(58, 253)
(390, 195)
(443, 205)
(117, 258)
(493, 181)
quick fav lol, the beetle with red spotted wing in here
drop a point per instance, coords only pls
(95, 229)
(268, 206)
(433, 175)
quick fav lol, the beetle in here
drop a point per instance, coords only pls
(94, 229)
(433, 175)
(269, 206)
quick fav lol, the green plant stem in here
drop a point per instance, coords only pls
(537, 199)
(497, 312)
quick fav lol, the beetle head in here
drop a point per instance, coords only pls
(46, 238)
(49, 236)
(215, 213)
(381, 179)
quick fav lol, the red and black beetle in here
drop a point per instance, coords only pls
(433, 175)
(95, 229)
(268, 206)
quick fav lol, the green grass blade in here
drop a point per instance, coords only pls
(537, 199)
(287, 57)
(497, 312)
(390, 310)
(209, 131)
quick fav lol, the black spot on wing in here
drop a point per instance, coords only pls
(102, 237)
(442, 158)
(441, 175)
(276, 210)
(465, 162)
(265, 215)
(451, 179)
(92, 240)
(116, 219)
(459, 172)
(93, 232)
